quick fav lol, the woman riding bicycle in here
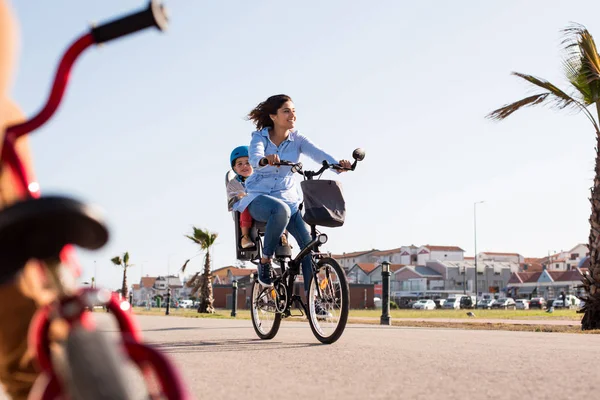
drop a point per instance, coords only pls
(273, 196)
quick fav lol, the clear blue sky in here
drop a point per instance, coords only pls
(147, 125)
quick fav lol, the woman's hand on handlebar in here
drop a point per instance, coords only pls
(271, 158)
(344, 165)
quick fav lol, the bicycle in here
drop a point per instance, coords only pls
(328, 293)
(45, 229)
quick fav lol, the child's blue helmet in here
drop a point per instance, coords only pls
(240, 151)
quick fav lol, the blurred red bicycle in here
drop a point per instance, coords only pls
(46, 229)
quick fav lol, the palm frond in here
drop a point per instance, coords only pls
(560, 99)
(126, 258)
(192, 281)
(193, 239)
(202, 237)
(583, 61)
(185, 265)
(508, 109)
(116, 260)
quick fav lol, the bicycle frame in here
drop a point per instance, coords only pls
(71, 305)
(288, 275)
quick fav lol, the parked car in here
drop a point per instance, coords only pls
(522, 304)
(186, 303)
(570, 299)
(424, 304)
(452, 303)
(468, 301)
(485, 303)
(538, 302)
(439, 302)
(505, 303)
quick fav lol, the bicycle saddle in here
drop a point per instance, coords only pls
(40, 228)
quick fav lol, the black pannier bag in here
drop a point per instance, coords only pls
(324, 203)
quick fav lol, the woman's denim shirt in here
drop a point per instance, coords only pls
(278, 182)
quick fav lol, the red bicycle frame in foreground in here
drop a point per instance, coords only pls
(73, 308)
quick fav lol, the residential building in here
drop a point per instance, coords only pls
(407, 255)
(454, 276)
(226, 275)
(375, 276)
(440, 253)
(347, 260)
(566, 260)
(502, 257)
(547, 284)
(359, 273)
(150, 287)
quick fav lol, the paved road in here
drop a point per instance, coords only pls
(223, 359)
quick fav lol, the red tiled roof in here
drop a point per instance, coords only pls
(500, 254)
(242, 271)
(533, 264)
(570, 275)
(469, 258)
(148, 281)
(555, 274)
(515, 278)
(528, 277)
(443, 248)
(367, 267)
(387, 252)
(396, 267)
(222, 269)
(353, 254)
(136, 286)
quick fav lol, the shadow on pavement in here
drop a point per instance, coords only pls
(219, 346)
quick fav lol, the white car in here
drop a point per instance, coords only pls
(425, 304)
(486, 303)
(452, 302)
(522, 304)
(186, 303)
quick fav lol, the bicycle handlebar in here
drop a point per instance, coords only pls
(154, 15)
(358, 155)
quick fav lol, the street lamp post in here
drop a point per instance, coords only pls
(475, 239)
(385, 295)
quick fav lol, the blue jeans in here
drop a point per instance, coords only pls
(277, 216)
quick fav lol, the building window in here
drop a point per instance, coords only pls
(574, 256)
(557, 266)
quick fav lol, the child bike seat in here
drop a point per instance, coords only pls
(40, 228)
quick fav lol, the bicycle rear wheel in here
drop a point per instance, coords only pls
(328, 301)
(94, 367)
(265, 318)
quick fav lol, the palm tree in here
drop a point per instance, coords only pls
(124, 263)
(202, 282)
(582, 70)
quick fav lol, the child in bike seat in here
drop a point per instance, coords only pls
(236, 189)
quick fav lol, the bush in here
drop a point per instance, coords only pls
(393, 305)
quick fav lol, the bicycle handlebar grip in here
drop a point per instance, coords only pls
(154, 15)
(263, 161)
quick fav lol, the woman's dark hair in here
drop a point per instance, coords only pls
(261, 113)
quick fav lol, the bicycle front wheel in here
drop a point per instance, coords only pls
(265, 318)
(328, 301)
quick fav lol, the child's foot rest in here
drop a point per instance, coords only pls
(283, 251)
